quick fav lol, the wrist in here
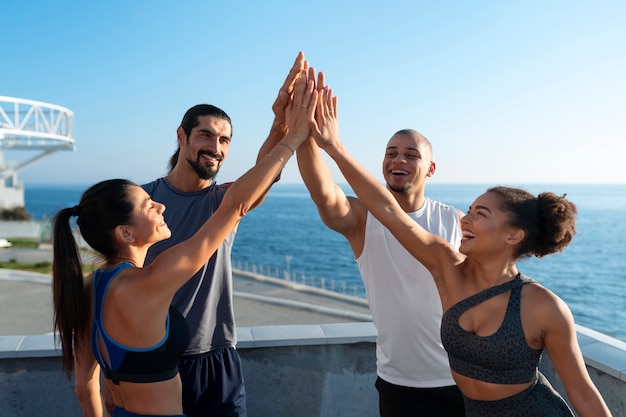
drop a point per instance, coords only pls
(291, 149)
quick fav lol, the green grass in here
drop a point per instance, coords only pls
(17, 242)
(44, 267)
(41, 267)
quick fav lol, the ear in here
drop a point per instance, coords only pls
(515, 236)
(180, 136)
(431, 169)
(124, 234)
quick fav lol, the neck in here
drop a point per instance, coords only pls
(409, 201)
(112, 263)
(136, 255)
(492, 273)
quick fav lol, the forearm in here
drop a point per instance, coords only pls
(592, 407)
(173, 267)
(277, 132)
(369, 191)
(90, 401)
(316, 174)
(244, 193)
(87, 378)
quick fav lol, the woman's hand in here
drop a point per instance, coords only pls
(325, 125)
(301, 110)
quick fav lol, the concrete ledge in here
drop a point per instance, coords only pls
(305, 335)
(248, 337)
(603, 352)
(306, 370)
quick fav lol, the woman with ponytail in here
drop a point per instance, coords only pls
(118, 318)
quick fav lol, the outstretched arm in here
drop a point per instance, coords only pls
(171, 269)
(432, 251)
(340, 213)
(279, 125)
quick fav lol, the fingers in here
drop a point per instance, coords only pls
(298, 65)
(321, 81)
(331, 102)
(285, 92)
(326, 103)
(303, 91)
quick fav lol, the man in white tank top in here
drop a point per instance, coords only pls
(414, 376)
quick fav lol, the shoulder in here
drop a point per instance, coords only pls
(88, 284)
(439, 205)
(545, 306)
(153, 185)
(444, 210)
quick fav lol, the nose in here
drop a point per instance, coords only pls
(161, 208)
(212, 144)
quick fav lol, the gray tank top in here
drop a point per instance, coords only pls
(501, 358)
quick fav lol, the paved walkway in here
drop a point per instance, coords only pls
(26, 300)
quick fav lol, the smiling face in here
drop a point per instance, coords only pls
(207, 145)
(148, 225)
(486, 228)
(408, 162)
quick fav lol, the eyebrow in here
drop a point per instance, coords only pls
(409, 148)
(146, 202)
(213, 133)
(484, 208)
(206, 130)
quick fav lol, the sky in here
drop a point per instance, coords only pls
(508, 92)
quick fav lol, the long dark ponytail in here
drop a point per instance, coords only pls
(68, 289)
(102, 207)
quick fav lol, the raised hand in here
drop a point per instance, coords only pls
(286, 91)
(301, 108)
(325, 125)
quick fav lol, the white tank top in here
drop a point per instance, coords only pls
(405, 305)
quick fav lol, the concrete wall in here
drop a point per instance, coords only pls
(24, 229)
(10, 197)
(309, 370)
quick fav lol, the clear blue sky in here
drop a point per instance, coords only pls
(507, 91)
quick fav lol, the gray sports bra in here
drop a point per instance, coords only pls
(501, 358)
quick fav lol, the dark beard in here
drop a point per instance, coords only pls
(203, 171)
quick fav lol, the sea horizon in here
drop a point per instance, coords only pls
(286, 236)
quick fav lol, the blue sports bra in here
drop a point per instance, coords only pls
(141, 365)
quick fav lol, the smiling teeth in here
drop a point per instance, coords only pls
(399, 172)
(468, 234)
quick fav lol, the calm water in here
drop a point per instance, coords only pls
(286, 234)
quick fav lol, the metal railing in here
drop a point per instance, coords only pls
(354, 289)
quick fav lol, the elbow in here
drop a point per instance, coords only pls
(237, 204)
(85, 396)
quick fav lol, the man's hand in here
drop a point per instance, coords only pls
(279, 126)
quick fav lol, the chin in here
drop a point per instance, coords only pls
(166, 234)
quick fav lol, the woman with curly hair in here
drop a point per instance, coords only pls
(497, 322)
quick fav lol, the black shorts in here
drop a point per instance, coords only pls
(213, 384)
(398, 401)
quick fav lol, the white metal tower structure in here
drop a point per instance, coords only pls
(30, 126)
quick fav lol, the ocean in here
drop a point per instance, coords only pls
(285, 238)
